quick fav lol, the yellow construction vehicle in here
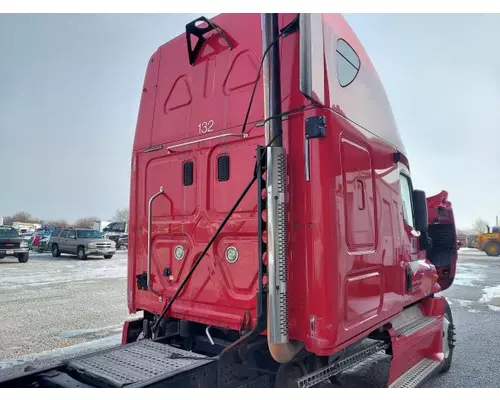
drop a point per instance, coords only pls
(489, 242)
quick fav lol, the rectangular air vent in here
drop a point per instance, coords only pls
(223, 168)
(188, 173)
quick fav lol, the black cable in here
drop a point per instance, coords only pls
(245, 121)
(228, 215)
(223, 223)
(284, 32)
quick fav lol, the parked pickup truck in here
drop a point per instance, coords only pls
(13, 245)
(82, 242)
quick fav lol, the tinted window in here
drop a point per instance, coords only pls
(348, 63)
(116, 227)
(71, 235)
(64, 234)
(406, 199)
(8, 232)
(89, 234)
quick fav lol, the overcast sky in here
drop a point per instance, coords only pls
(70, 89)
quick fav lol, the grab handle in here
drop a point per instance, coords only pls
(150, 217)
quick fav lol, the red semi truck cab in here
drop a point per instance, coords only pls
(275, 236)
(330, 242)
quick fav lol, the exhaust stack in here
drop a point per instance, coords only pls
(281, 349)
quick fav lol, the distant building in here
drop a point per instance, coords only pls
(25, 227)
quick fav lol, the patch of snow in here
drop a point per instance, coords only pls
(473, 311)
(493, 308)
(468, 250)
(61, 354)
(468, 277)
(471, 265)
(464, 303)
(41, 272)
(489, 293)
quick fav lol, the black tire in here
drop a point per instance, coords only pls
(449, 337)
(80, 252)
(287, 373)
(24, 257)
(492, 249)
(55, 251)
(108, 256)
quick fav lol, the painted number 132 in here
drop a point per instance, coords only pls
(205, 127)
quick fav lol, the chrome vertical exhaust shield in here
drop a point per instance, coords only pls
(281, 349)
(277, 244)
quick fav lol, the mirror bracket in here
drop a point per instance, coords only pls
(315, 127)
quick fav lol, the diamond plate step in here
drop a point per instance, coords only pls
(410, 321)
(415, 326)
(137, 364)
(320, 375)
(416, 375)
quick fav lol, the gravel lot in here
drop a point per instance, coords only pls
(475, 302)
(53, 303)
(49, 302)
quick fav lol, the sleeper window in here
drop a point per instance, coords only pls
(348, 63)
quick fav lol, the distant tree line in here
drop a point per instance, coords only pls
(85, 222)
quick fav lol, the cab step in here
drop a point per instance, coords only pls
(416, 375)
(410, 321)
